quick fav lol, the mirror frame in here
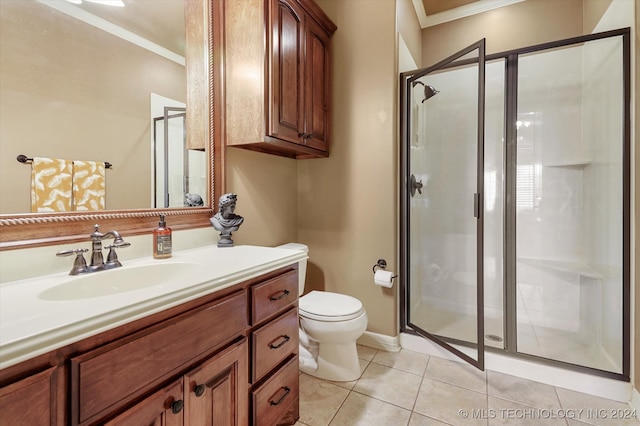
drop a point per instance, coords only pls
(33, 229)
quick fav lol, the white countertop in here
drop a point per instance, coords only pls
(32, 323)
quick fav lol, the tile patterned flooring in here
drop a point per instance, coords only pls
(410, 388)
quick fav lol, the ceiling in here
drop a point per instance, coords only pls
(159, 22)
(431, 7)
(435, 12)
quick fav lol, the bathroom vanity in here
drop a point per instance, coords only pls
(217, 341)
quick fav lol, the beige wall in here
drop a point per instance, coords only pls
(267, 196)
(592, 12)
(347, 203)
(521, 24)
(409, 28)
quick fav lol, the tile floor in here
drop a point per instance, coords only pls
(410, 388)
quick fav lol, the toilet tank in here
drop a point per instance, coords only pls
(302, 265)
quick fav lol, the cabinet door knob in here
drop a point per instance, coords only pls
(285, 339)
(199, 390)
(284, 294)
(287, 390)
(176, 406)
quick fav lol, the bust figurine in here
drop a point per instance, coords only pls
(193, 200)
(225, 220)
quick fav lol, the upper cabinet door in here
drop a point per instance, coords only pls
(317, 87)
(287, 71)
(276, 95)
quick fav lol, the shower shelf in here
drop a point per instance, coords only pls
(559, 265)
(569, 163)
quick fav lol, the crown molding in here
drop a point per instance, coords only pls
(459, 12)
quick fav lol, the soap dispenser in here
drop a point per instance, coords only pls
(162, 240)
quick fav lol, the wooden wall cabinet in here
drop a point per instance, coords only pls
(229, 358)
(276, 96)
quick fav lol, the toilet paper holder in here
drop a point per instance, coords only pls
(382, 264)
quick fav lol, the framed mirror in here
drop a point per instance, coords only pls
(85, 82)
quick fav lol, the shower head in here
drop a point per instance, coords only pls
(429, 90)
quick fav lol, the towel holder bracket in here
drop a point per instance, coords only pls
(24, 159)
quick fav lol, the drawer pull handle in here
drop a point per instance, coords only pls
(287, 390)
(284, 340)
(176, 406)
(284, 294)
(199, 390)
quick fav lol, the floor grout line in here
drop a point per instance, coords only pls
(413, 414)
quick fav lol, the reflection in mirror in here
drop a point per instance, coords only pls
(91, 82)
(77, 84)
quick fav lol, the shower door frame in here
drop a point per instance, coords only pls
(406, 79)
(509, 270)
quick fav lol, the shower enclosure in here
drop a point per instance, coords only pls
(515, 202)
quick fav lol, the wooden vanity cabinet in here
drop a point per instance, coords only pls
(227, 358)
(274, 350)
(111, 376)
(30, 401)
(213, 393)
(276, 101)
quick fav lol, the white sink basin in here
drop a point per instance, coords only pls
(121, 280)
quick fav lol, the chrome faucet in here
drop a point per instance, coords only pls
(97, 259)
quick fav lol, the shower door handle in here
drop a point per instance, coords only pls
(415, 185)
(476, 205)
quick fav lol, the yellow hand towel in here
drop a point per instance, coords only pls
(50, 185)
(88, 185)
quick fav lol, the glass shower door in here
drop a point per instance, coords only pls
(444, 145)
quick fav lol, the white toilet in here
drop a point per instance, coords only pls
(330, 324)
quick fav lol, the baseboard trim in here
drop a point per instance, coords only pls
(380, 341)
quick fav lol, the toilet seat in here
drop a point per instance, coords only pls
(327, 306)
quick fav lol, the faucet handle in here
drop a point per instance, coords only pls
(112, 257)
(79, 264)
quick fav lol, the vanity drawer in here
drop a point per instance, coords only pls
(108, 377)
(277, 395)
(273, 295)
(272, 343)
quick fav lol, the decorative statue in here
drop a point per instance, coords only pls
(193, 200)
(225, 220)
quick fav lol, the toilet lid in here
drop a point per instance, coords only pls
(327, 306)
